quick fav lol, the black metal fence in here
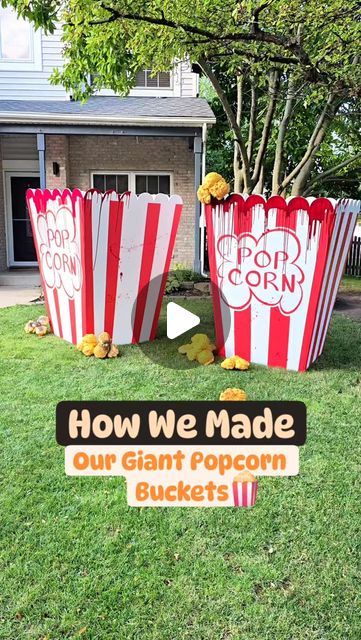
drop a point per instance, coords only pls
(353, 265)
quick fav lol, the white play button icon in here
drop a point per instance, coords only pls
(179, 320)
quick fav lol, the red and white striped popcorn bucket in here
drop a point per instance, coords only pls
(275, 268)
(245, 493)
(103, 260)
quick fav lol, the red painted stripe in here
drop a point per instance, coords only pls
(244, 494)
(173, 233)
(335, 282)
(235, 493)
(214, 277)
(242, 223)
(116, 208)
(253, 494)
(57, 311)
(242, 333)
(150, 237)
(72, 320)
(87, 296)
(316, 296)
(278, 339)
(255, 491)
(279, 323)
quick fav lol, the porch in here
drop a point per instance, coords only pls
(160, 152)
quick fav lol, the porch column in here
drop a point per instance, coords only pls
(40, 142)
(197, 148)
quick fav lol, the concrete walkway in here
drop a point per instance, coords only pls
(349, 305)
(12, 295)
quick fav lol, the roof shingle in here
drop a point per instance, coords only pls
(137, 107)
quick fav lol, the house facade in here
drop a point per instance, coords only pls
(152, 140)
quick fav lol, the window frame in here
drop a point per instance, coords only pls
(35, 63)
(138, 87)
(132, 177)
(102, 172)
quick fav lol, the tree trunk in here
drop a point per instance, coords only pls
(273, 86)
(303, 175)
(278, 162)
(252, 120)
(237, 162)
(232, 121)
(301, 172)
(259, 187)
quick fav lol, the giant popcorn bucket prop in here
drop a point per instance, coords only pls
(275, 269)
(103, 260)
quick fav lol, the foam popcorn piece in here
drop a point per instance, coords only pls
(233, 394)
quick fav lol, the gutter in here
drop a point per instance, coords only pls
(70, 118)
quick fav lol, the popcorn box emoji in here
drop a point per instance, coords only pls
(103, 260)
(275, 269)
(245, 487)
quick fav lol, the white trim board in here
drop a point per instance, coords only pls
(8, 215)
(76, 118)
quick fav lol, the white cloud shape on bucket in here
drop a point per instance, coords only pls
(264, 268)
(59, 252)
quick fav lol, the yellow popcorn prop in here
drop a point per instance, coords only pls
(214, 186)
(40, 326)
(88, 344)
(100, 347)
(233, 394)
(205, 357)
(235, 362)
(200, 348)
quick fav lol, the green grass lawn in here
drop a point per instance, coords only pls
(349, 284)
(77, 562)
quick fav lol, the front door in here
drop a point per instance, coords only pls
(21, 245)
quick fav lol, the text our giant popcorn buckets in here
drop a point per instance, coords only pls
(103, 260)
(275, 269)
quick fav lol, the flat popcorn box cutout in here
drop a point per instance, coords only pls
(275, 267)
(104, 260)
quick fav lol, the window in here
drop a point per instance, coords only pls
(132, 181)
(146, 80)
(20, 46)
(106, 181)
(152, 184)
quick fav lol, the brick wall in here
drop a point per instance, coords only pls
(3, 257)
(57, 150)
(116, 153)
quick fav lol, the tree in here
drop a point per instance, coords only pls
(280, 56)
(333, 173)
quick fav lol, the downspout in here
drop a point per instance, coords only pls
(40, 143)
(202, 217)
(197, 150)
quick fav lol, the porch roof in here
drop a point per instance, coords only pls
(107, 111)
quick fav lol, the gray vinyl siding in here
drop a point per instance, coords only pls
(19, 147)
(35, 85)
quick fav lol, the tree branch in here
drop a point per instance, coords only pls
(257, 35)
(237, 171)
(332, 171)
(207, 70)
(256, 15)
(316, 138)
(252, 119)
(278, 161)
(273, 87)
